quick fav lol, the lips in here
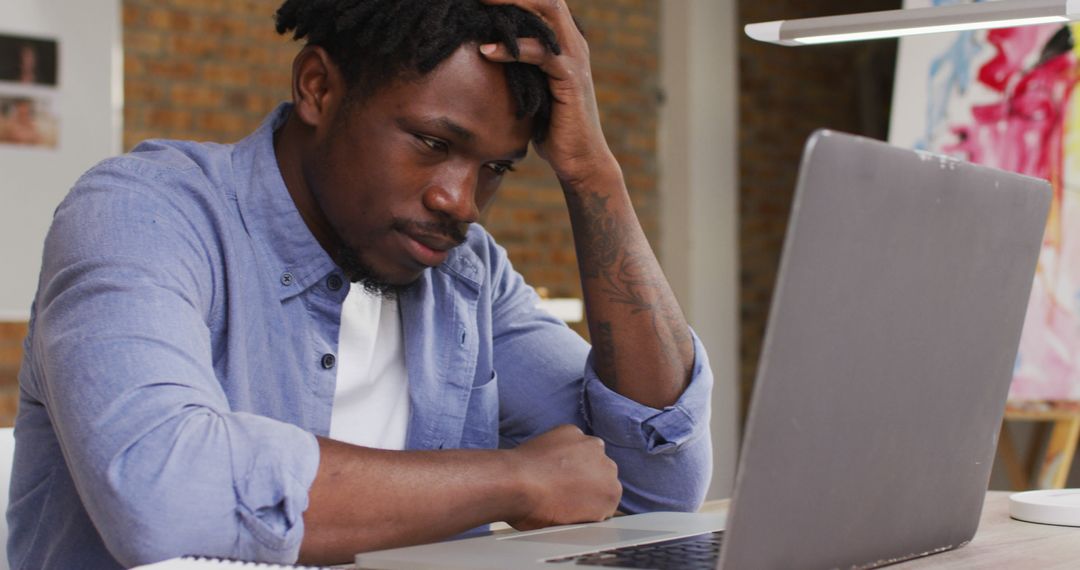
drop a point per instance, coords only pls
(427, 249)
(433, 242)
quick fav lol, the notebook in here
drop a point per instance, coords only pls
(881, 386)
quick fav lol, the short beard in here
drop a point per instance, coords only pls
(361, 273)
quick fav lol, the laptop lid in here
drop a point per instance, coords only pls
(887, 360)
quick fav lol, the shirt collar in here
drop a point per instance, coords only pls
(270, 215)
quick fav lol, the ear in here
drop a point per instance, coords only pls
(317, 84)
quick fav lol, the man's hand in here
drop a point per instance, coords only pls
(575, 147)
(568, 479)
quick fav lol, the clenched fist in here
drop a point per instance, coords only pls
(567, 479)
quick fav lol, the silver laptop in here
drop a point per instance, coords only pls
(881, 386)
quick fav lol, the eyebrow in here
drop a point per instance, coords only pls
(461, 132)
(449, 125)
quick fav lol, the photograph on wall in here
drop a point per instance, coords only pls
(28, 60)
(28, 121)
(1005, 98)
(29, 71)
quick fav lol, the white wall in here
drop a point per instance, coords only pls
(698, 197)
(89, 104)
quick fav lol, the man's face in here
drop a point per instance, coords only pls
(401, 174)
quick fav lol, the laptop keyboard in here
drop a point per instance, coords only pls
(691, 553)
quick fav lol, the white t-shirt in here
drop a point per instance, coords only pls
(371, 399)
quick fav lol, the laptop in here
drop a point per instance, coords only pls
(880, 391)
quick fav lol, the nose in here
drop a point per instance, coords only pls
(454, 194)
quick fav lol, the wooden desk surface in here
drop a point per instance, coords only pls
(1000, 542)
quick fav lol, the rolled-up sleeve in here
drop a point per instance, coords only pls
(123, 362)
(664, 456)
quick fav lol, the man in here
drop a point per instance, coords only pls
(182, 387)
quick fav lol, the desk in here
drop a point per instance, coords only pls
(1001, 542)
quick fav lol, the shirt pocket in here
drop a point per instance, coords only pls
(482, 416)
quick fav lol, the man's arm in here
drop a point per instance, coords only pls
(410, 497)
(664, 456)
(642, 346)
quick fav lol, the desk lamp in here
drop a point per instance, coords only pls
(1050, 506)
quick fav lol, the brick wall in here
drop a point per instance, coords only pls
(201, 69)
(212, 69)
(785, 94)
(11, 337)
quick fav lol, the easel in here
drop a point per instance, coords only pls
(1051, 470)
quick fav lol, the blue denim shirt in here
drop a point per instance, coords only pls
(175, 375)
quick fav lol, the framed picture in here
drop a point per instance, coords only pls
(28, 60)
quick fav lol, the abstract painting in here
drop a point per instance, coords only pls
(1006, 98)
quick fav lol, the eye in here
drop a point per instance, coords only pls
(500, 168)
(433, 143)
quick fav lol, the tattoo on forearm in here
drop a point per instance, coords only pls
(629, 278)
(605, 365)
(601, 243)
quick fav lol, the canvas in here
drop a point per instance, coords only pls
(1005, 98)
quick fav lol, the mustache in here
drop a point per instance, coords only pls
(444, 230)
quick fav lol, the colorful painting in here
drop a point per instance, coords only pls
(1006, 98)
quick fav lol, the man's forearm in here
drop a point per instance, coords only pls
(366, 499)
(641, 342)
(369, 499)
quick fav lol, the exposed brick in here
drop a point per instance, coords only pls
(226, 26)
(168, 119)
(220, 122)
(158, 19)
(193, 46)
(196, 6)
(9, 404)
(12, 331)
(171, 69)
(132, 16)
(11, 353)
(147, 43)
(196, 96)
(226, 74)
(139, 89)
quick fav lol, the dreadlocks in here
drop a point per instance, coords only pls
(376, 41)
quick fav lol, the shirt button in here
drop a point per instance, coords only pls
(328, 361)
(286, 279)
(334, 282)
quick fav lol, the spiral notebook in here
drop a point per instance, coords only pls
(200, 563)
